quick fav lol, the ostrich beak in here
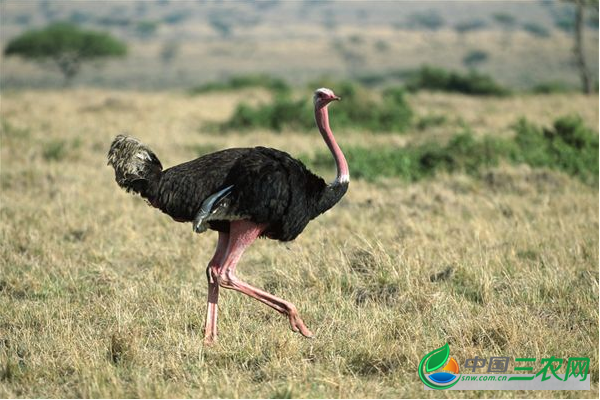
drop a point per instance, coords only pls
(337, 98)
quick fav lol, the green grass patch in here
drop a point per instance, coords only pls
(568, 146)
(430, 120)
(58, 149)
(438, 79)
(358, 109)
(55, 150)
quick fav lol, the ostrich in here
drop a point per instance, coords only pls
(243, 194)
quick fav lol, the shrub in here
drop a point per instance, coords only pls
(536, 29)
(283, 111)
(430, 120)
(469, 26)
(568, 146)
(507, 21)
(358, 109)
(243, 82)
(552, 87)
(474, 58)
(473, 83)
(411, 163)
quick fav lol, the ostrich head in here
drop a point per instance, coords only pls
(324, 96)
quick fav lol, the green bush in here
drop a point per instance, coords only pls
(411, 163)
(473, 83)
(568, 146)
(358, 109)
(243, 82)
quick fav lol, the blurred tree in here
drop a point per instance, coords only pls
(66, 45)
(584, 73)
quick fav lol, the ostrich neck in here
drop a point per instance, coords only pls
(322, 119)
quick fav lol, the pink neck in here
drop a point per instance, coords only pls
(322, 118)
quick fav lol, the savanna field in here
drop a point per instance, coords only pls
(103, 296)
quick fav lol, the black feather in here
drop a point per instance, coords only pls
(269, 186)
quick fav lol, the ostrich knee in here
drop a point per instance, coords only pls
(224, 279)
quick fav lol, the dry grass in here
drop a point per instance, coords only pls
(102, 296)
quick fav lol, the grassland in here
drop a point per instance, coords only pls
(102, 296)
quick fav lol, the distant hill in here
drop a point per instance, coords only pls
(183, 43)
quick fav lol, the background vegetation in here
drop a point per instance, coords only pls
(359, 108)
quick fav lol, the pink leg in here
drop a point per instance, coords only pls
(210, 329)
(243, 234)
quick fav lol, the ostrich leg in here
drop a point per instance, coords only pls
(243, 234)
(210, 329)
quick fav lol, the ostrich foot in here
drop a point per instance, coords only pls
(297, 325)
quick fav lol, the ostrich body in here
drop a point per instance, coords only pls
(243, 193)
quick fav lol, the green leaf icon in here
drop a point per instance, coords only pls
(437, 358)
